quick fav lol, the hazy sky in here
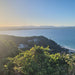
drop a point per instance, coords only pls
(37, 12)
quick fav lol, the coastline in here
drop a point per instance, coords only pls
(29, 42)
(29, 37)
(70, 49)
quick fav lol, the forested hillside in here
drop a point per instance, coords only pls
(29, 42)
(37, 56)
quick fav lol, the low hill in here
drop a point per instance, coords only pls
(28, 42)
(10, 45)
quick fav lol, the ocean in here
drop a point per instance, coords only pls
(63, 36)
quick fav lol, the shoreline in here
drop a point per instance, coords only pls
(30, 37)
(70, 49)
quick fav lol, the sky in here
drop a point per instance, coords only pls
(37, 12)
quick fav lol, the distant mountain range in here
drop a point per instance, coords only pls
(25, 27)
(30, 27)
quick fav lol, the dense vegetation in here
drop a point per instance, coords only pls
(39, 61)
(7, 49)
(40, 41)
(34, 60)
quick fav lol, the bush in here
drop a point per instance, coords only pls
(38, 61)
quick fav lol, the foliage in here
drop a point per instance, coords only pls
(7, 49)
(39, 61)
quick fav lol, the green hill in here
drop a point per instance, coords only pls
(38, 60)
(29, 42)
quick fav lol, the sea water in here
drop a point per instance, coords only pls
(63, 36)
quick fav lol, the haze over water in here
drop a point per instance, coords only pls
(63, 36)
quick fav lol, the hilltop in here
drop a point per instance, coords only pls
(28, 42)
